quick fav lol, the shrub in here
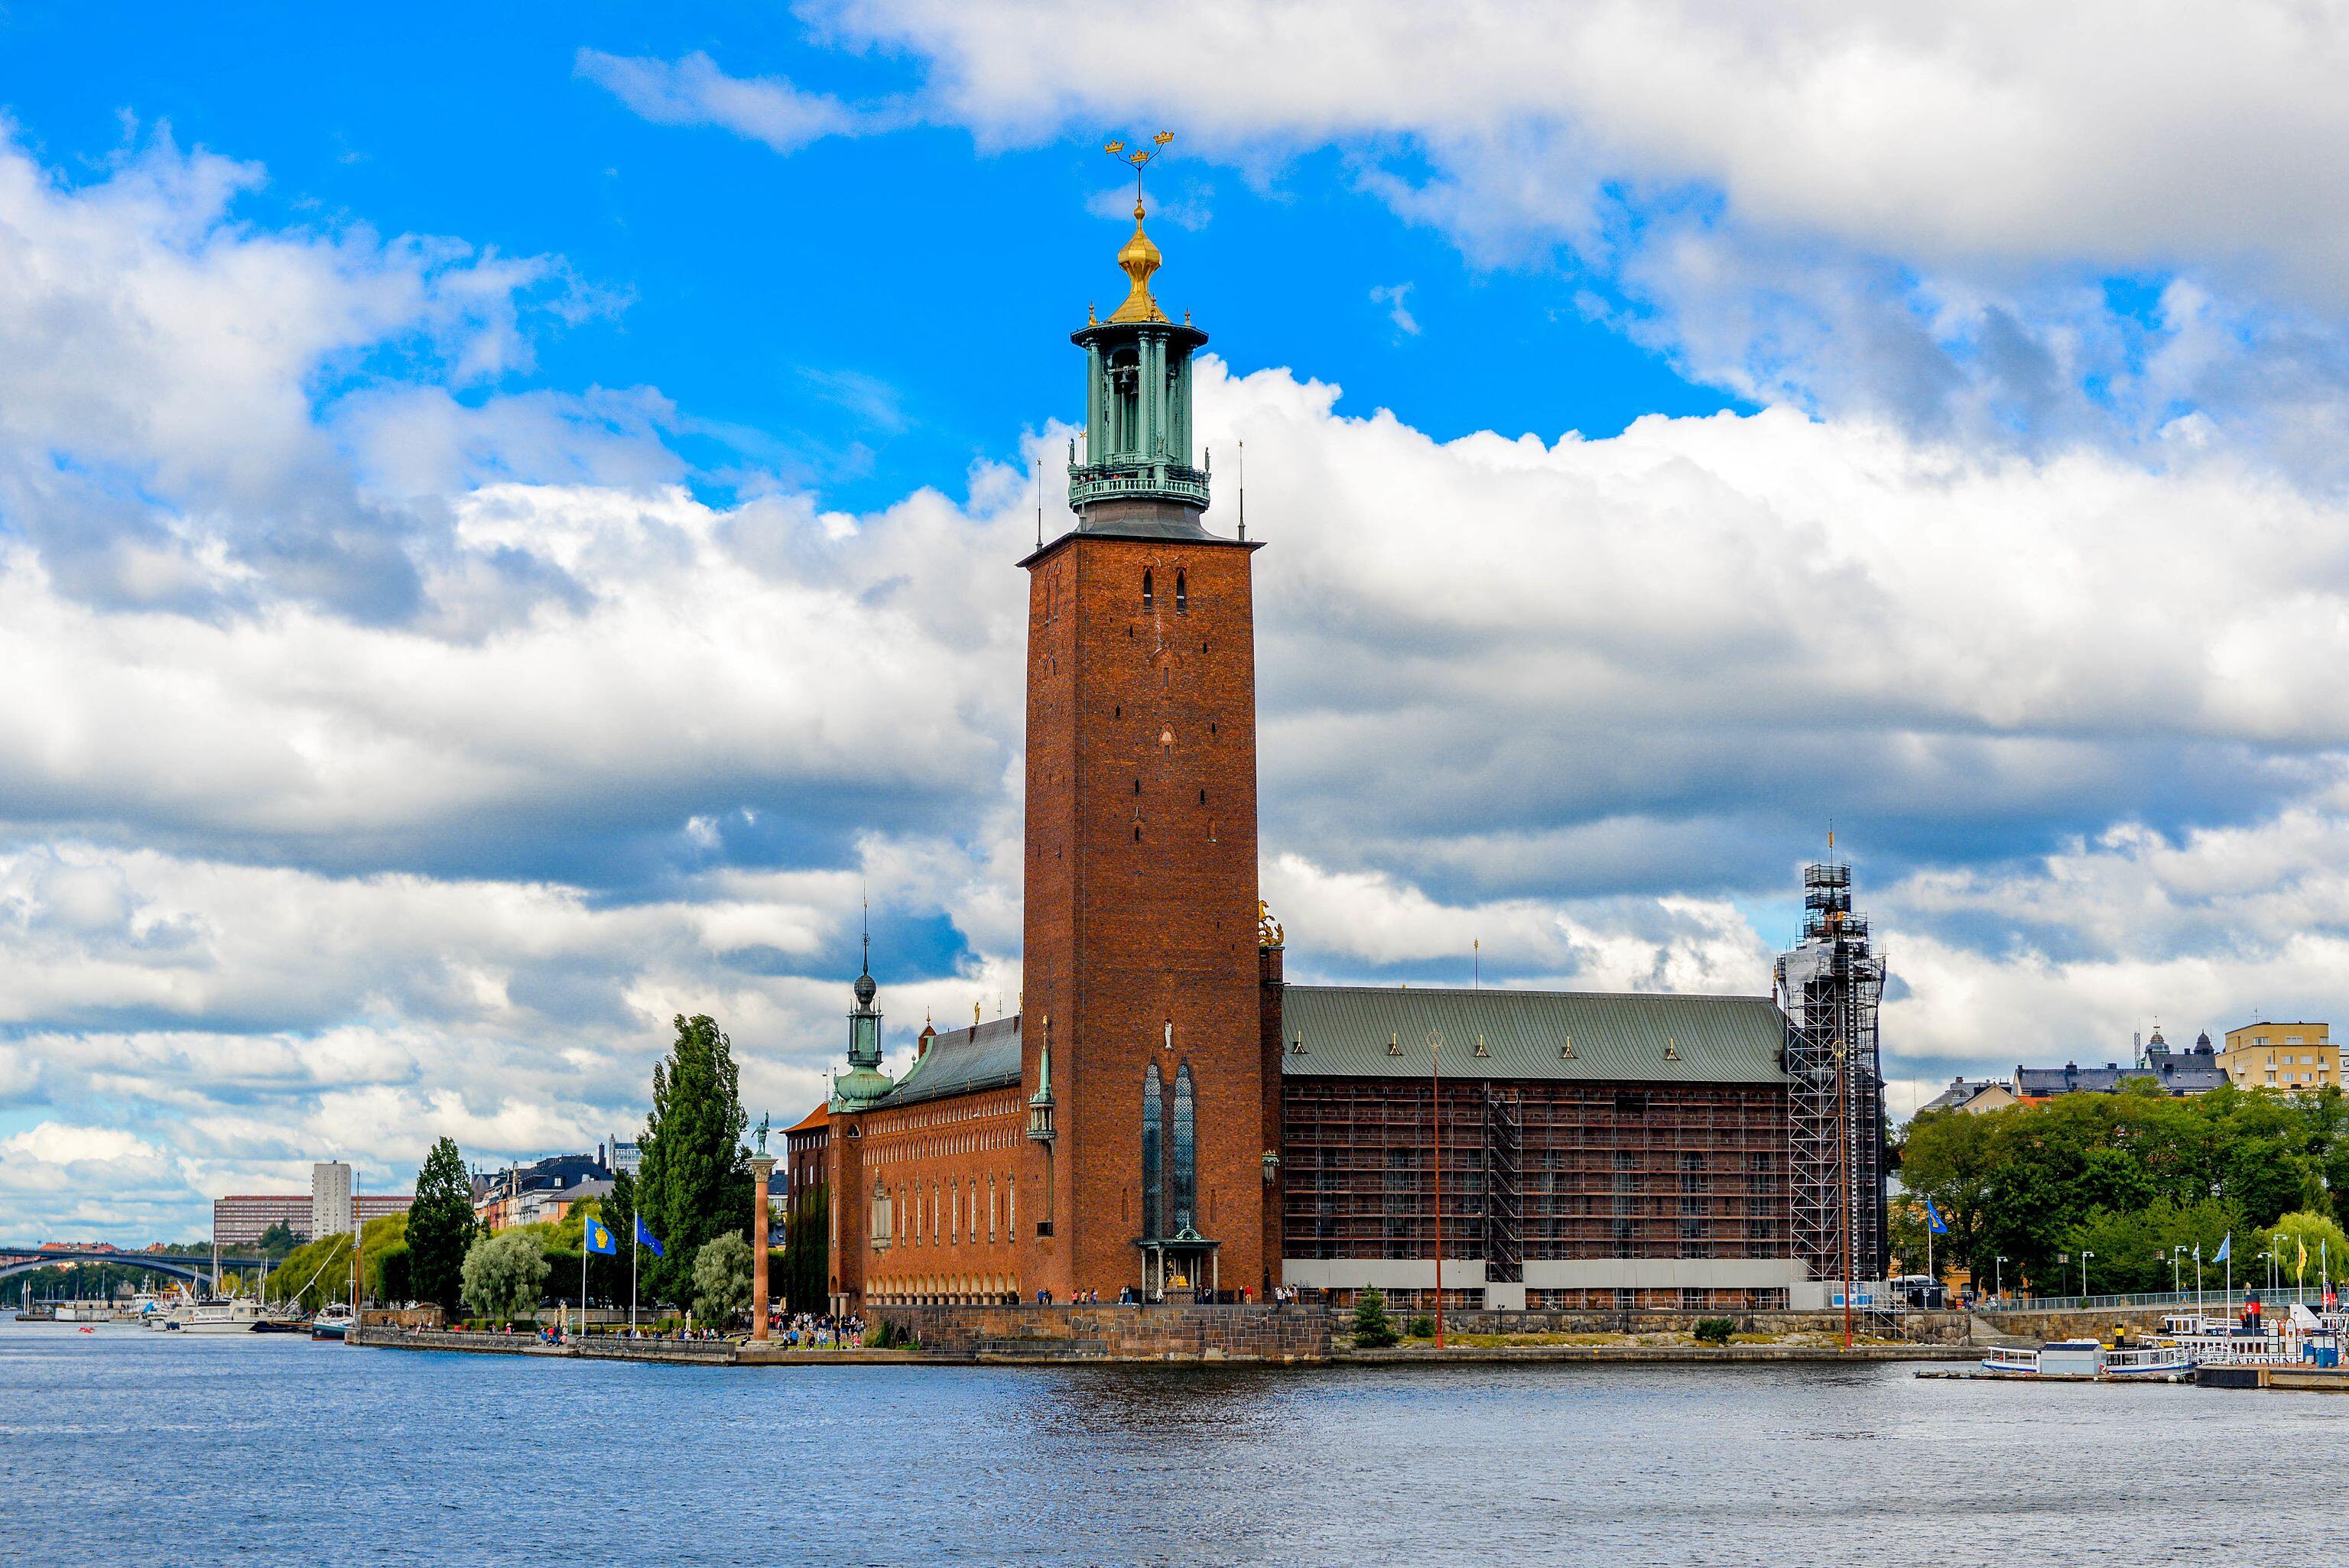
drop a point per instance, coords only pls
(1423, 1327)
(1715, 1330)
(1373, 1329)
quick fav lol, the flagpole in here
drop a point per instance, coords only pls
(583, 1284)
(635, 1245)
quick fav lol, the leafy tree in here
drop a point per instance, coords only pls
(394, 1282)
(278, 1240)
(807, 1248)
(2328, 1248)
(441, 1229)
(1373, 1329)
(721, 1278)
(695, 1182)
(504, 1274)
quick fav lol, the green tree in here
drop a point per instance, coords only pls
(2328, 1248)
(807, 1252)
(441, 1229)
(504, 1274)
(721, 1278)
(1373, 1329)
(695, 1182)
(278, 1240)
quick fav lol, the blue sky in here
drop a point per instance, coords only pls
(507, 525)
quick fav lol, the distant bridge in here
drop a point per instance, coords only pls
(15, 1261)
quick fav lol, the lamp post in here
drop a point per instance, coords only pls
(2176, 1288)
(2085, 1255)
(1998, 1277)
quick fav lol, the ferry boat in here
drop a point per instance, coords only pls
(2088, 1359)
(241, 1315)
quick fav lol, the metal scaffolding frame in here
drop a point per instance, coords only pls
(1829, 987)
(1505, 1249)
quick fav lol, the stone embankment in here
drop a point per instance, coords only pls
(1291, 1335)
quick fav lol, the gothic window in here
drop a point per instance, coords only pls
(1185, 1173)
(934, 1213)
(1147, 596)
(1182, 593)
(1153, 1191)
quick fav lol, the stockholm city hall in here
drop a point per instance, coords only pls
(1166, 1117)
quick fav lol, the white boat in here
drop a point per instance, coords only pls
(239, 1316)
(333, 1321)
(2088, 1359)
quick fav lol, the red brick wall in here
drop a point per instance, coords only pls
(949, 1166)
(1140, 895)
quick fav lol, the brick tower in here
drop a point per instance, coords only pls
(1144, 1162)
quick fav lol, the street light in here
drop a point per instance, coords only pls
(2177, 1257)
(1998, 1277)
(2085, 1255)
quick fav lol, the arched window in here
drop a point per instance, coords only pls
(1184, 1174)
(933, 1212)
(1152, 1092)
(1182, 592)
(1148, 598)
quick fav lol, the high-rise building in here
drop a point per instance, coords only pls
(331, 1213)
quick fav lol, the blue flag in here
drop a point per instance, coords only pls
(2226, 1249)
(1933, 1219)
(647, 1239)
(596, 1237)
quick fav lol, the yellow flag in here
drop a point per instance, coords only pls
(2300, 1269)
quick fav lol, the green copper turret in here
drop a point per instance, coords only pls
(865, 1083)
(1137, 472)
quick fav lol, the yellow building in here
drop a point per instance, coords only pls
(2282, 1055)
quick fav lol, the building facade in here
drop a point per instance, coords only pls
(2282, 1055)
(241, 1219)
(1165, 1117)
(330, 1198)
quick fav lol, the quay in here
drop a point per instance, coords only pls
(1239, 1335)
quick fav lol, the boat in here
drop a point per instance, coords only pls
(333, 1321)
(239, 1314)
(2088, 1359)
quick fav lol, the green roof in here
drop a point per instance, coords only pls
(983, 1055)
(1352, 1031)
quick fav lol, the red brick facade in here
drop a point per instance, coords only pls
(1141, 898)
(928, 1199)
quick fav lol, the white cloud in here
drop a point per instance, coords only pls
(1394, 297)
(693, 91)
(1985, 128)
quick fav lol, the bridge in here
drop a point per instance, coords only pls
(15, 1261)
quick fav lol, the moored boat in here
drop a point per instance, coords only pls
(2088, 1359)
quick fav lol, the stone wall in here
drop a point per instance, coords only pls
(2038, 1328)
(1918, 1327)
(1117, 1332)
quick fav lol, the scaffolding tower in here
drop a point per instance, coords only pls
(1829, 984)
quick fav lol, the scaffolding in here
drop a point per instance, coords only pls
(1829, 986)
(1505, 1249)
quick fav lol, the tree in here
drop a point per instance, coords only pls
(2328, 1248)
(441, 1229)
(721, 1278)
(694, 1185)
(504, 1274)
(278, 1240)
(807, 1280)
(1373, 1329)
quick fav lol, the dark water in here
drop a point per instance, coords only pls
(129, 1447)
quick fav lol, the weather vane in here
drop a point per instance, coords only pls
(1140, 158)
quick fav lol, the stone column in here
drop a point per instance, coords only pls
(762, 1166)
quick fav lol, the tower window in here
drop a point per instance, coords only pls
(1182, 593)
(1147, 596)
(1137, 785)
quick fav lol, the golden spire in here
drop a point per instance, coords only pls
(1140, 258)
